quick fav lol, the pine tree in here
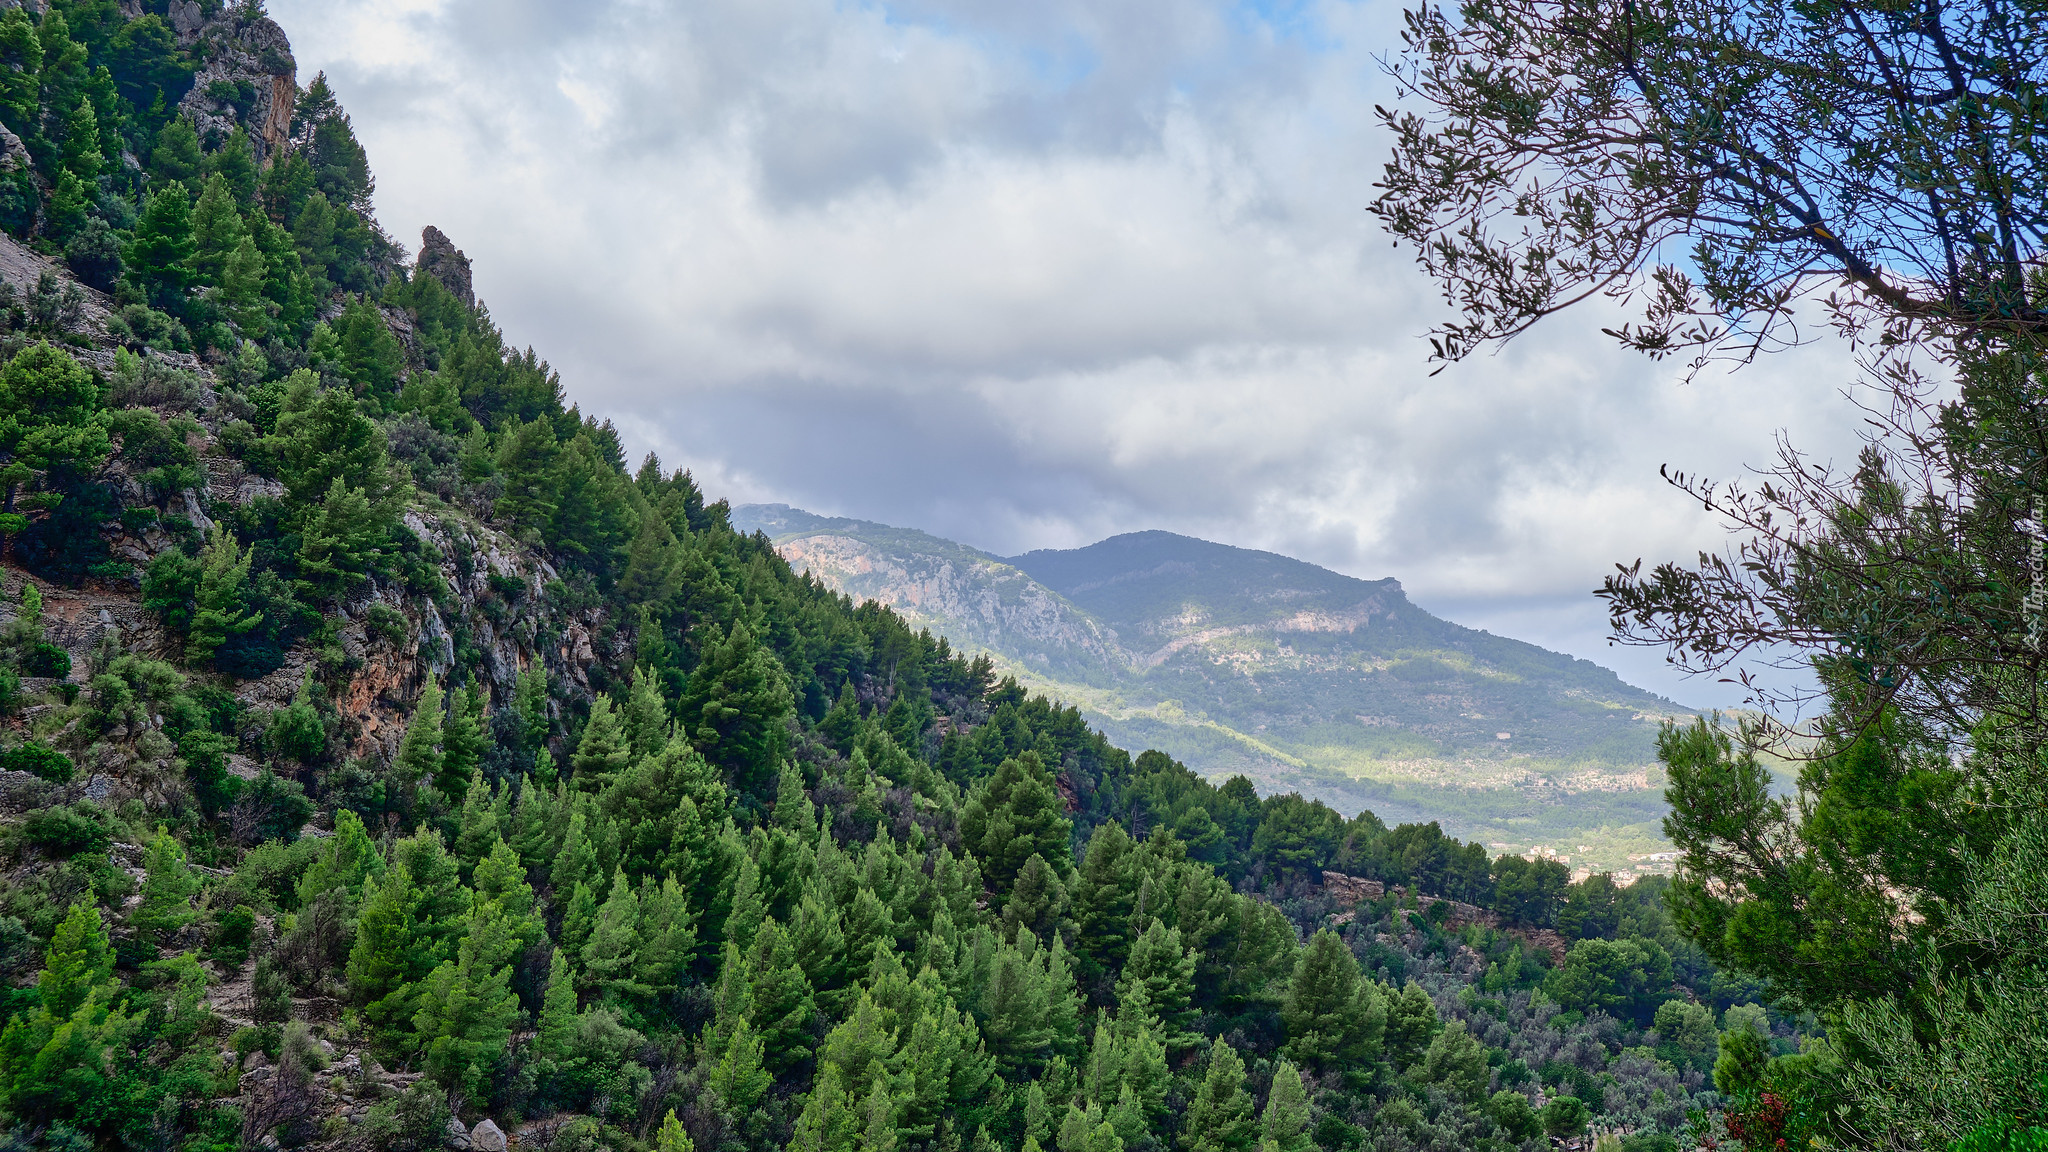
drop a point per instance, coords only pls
(159, 259)
(1141, 1052)
(324, 436)
(1037, 1114)
(347, 860)
(1012, 815)
(794, 811)
(220, 611)
(555, 1034)
(862, 1045)
(878, 1133)
(645, 714)
(748, 907)
(732, 999)
(579, 917)
(503, 923)
(58, 1056)
(345, 540)
(608, 955)
(604, 750)
(1038, 901)
(1220, 1117)
(83, 155)
(1103, 1073)
(526, 459)
(234, 163)
(869, 929)
(477, 829)
(168, 886)
(819, 941)
(370, 357)
(530, 702)
(296, 730)
(419, 752)
(1411, 1023)
(78, 961)
(1285, 1125)
(176, 155)
(781, 995)
(828, 1122)
(462, 743)
(672, 1138)
(1458, 1062)
(70, 205)
(1077, 1124)
(1127, 1117)
(312, 233)
(1105, 894)
(1168, 973)
(533, 830)
(668, 936)
(739, 1079)
(242, 280)
(467, 1011)
(1332, 1014)
(411, 921)
(217, 230)
(379, 963)
(736, 709)
(842, 721)
(1103, 1139)
(577, 862)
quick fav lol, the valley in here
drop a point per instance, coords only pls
(1243, 662)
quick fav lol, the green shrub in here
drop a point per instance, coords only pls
(232, 933)
(46, 659)
(68, 829)
(38, 760)
(386, 623)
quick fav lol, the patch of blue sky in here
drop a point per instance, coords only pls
(1053, 58)
(1298, 21)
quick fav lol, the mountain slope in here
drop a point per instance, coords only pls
(973, 598)
(1240, 661)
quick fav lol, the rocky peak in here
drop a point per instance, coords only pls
(250, 78)
(441, 259)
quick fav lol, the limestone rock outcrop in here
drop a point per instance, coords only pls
(441, 259)
(250, 78)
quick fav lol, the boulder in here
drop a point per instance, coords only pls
(458, 1136)
(487, 1137)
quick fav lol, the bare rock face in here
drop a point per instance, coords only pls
(443, 261)
(250, 79)
(186, 19)
(13, 153)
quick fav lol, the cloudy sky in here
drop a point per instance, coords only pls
(1028, 275)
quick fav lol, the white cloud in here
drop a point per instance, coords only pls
(1028, 275)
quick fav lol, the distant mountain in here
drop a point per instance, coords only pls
(1236, 660)
(974, 599)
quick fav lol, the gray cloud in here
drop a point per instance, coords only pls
(1027, 275)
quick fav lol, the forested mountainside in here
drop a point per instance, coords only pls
(386, 764)
(1238, 661)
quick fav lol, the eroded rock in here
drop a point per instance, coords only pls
(443, 261)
